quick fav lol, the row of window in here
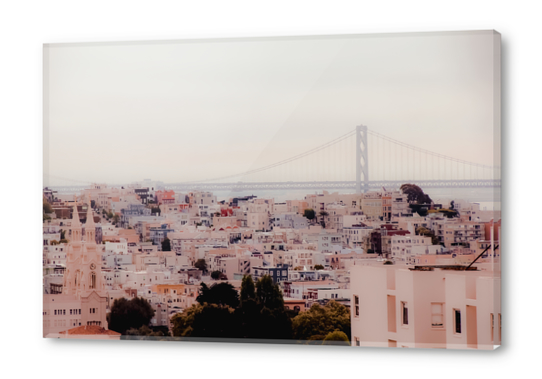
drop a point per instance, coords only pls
(437, 317)
(62, 312)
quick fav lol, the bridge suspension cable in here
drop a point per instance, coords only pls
(283, 162)
(334, 163)
(412, 147)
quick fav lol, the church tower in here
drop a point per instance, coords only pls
(84, 277)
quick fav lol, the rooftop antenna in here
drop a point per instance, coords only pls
(482, 253)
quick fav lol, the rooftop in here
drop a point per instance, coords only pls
(90, 330)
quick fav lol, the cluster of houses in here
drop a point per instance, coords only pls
(403, 276)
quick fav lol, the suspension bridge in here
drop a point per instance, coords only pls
(360, 160)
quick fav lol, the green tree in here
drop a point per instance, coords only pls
(166, 244)
(248, 290)
(182, 322)
(127, 314)
(309, 214)
(317, 322)
(145, 331)
(209, 320)
(47, 208)
(258, 315)
(201, 265)
(415, 194)
(318, 267)
(336, 338)
(269, 294)
(323, 215)
(218, 293)
(116, 219)
(422, 231)
(218, 275)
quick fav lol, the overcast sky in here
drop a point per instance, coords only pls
(189, 110)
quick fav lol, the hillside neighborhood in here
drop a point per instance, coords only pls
(388, 268)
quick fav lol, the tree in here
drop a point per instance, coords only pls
(248, 290)
(201, 265)
(415, 194)
(258, 315)
(318, 267)
(218, 293)
(265, 317)
(62, 234)
(422, 231)
(93, 204)
(47, 208)
(209, 320)
(336, 338)
(309, 214)
(127, 314)
(116, 219)
(218, 275)
(166, 244)
(449, 213)
(145, 331)
(317, 322)
(323, 214)
(269, 294)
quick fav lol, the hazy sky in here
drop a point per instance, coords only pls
(188, 110)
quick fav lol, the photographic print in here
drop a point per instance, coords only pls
(327, 190)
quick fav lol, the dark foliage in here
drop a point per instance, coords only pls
(129, 314)
(166, 244)
(219, 294)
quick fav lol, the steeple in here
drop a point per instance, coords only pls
(75, 216)
(90, 226)
(76, 224)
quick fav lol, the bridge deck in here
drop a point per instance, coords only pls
(372, 185)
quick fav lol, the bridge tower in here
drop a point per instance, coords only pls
(362, 161)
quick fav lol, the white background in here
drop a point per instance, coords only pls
(25, 26)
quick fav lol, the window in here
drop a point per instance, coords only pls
(404, 308)
(492, 324)
(499, 327)
(457, 321)
(437, 315)
(356, 305)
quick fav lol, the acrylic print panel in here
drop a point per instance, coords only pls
(330, 190)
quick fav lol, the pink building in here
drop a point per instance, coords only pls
(394, 306)
(83, 300)
(165, 197)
